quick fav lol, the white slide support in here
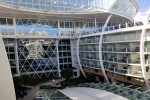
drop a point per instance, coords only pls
(100, 49)
(142, 56)
(7, 91)
(78, 58)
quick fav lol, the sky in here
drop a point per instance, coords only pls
(144, 5)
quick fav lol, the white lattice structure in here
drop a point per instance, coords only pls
(36, 56)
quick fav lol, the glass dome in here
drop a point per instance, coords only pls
(122, 7)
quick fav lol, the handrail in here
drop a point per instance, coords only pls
(108, 28)
(72, 33)
(124, 71)
(123, 60)
(123, 49)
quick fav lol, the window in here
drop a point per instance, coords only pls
(68, 47)
(11, 49)
(10, 21)
(128, 78)
(96, 70)
(3, 21)
(62, 25)
(12, 56)
(114, 75)
(75, 74)
(147, 69)
(69, 59)
(67, 25)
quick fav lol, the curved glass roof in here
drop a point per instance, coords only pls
(131, 92)
(124, 7)
(50, 95)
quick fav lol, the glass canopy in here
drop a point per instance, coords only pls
(50, 95)
(130, 91)
(124, 7)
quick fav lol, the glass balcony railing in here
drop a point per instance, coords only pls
(135, 73)
(90, 65)
(147, 49)
(123, 60)
(89, 41)
(89, 49)
(111, 28)
(124, 71)
(137, 49)
(90, 57)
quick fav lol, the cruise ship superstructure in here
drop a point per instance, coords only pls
(99, 37)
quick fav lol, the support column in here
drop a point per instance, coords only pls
(100, 48)
(16, 48)
(95, 23)
(7, 91)
(59, 28)
(57, 42)
(15, 26)
(16, 57)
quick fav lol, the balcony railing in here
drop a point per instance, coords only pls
(137, 49)
(91, 65)
(124, 60)
(89, 49)
(124, 71)
(108, 28)
(147, 49)
(89, 41)
(90, 57)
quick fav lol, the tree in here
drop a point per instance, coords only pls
(67, 73)
(90, 77)
(17, 82)
(27, 80)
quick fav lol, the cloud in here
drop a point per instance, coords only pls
(141, 16)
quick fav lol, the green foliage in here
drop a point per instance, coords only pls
(69, 84)
(46, 87)
(90, 77)
(67, 73)
(28, 81)
(17, 82)
(24, 80)
(73, 82)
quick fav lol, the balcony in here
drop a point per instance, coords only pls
(124, 60)
(128, 61)
(88, 49)
(137, 49)
(117, 27)
(89, 41)
(105, 58)
(147, 49)
(91, 65)
(90, 57)
(124, 71)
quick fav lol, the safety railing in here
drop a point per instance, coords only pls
(124, 49)
(124, 60)
(124, 71)
(108, 28)
(88, 49)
